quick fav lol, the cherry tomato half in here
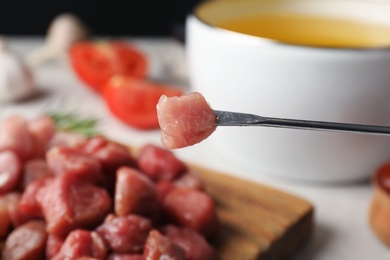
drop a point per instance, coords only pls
(383, 176)
(97, 62)
(134, 100)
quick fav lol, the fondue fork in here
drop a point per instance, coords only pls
(226, 118)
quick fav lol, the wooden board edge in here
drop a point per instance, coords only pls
(288, 243)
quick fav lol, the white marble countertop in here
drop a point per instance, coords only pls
(342, 228)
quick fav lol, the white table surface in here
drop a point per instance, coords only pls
(342, 229)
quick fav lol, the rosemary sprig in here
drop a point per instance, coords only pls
(73, 122)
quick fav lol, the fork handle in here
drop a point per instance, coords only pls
(325, 126)
(225, 118)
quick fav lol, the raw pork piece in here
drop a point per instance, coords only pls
(53, 245)
(163, 188)
(125, 234)
(26, 242)
(27, 139)
(116, 256)
(185, 120)
(82, 243)
(68, 139)
(5, 220)
(68, 203)
(10, 171)
(111, 156)
(191, 208)
(15, 136)
(42, 130)
(70, 161)
(17, 216)
(191, 180)
(135, 193)
(159, 247)
(159, 164)
(195, 245)
(28, 203)
(33, 170)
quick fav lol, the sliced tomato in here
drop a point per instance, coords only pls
(134, 100)
(97, 62)
(383, 176)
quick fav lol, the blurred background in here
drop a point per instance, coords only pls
(103, 17)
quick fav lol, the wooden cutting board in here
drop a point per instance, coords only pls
(258, 222)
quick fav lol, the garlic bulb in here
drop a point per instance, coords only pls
(16, 81)
(63, 32)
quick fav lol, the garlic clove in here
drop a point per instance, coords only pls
(3, 44)
(16, 81)
(65, 30)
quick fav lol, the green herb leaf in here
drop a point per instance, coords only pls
(73, 122)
